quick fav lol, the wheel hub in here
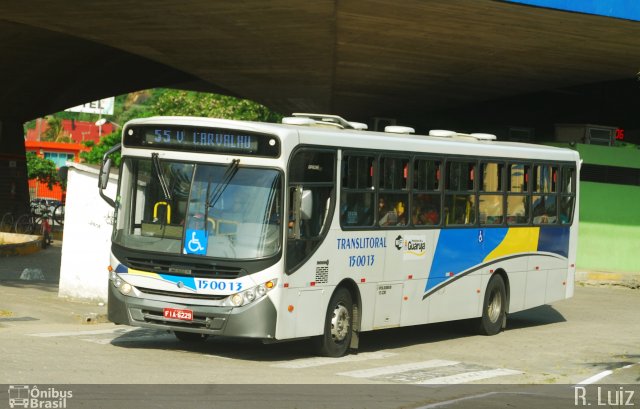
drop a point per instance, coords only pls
(340, 323)
(494, 307)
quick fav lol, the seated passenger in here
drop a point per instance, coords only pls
(395, 217)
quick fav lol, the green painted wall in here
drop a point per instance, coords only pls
(608, 247)
(606, 203)
(625, 156)
(609, 232)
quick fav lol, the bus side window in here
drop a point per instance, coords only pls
(357, 205)
(567, 194)
(544, 200)
(518, 196)
(311, 194)
(460, 200)
(491, 197)
(393, 187)
(426, 200)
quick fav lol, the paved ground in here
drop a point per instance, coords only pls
(38, 294)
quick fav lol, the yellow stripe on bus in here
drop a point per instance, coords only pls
(143, 273)
(517, 240)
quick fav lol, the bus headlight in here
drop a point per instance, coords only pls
(250, 295)
(236, 300)
(122, 286)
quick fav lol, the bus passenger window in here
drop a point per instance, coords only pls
(393, 173)
(567, 198)
(517, 209)
(491, 209)
(460, 209)
(357, 172)
(545, 177)
(357, 209)
(426, 209)
(491, 205)
(518, 199)
(544, 209)
(565, 209)
(459, 201)
(392, 210)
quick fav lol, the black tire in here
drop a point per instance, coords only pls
(338, 325)
(494, 308)
(190, 337)
(25, 224)
(45, 240)
(6, 224)
(58, 215)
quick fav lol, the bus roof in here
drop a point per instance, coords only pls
(456, 144)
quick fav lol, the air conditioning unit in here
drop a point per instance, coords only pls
(586, 133)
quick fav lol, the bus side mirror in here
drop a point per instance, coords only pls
(105, 169)
(306, 205)
(103, 176)
(301, 209)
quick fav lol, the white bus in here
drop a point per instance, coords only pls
(317, 228)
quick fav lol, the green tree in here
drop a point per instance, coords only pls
(190, 103)
(43, 170)
(54, 131)
(97, 152)
(162, 101)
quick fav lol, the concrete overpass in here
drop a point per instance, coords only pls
(423, 62)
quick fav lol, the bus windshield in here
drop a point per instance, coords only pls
(220, 211)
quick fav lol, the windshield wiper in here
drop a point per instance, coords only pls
(229, 173)
(163, 182)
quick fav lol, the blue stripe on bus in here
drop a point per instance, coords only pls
(188, 282)
(554, 240)
(459, 250)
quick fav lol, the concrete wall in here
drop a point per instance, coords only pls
(14, 193)
(87, 235)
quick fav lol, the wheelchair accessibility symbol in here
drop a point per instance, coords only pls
(195, 242)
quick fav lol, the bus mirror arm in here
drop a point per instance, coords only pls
(103, 177)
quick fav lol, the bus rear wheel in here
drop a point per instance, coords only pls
(190, 337)
(494, 308)
(338, 325)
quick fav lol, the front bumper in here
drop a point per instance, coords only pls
(255, 320)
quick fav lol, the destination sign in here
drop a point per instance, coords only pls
(205, 140)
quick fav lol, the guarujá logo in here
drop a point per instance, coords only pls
(412, 245)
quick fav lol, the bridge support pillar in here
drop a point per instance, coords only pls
(14, 187)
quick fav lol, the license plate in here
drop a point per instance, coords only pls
(178, 314)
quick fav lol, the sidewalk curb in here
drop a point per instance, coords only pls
(19, 244)
(629, 280)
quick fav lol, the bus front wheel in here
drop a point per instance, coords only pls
(337, 326)
(494, 307)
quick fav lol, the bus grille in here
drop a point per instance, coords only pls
(152, 291)
(196, 269)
